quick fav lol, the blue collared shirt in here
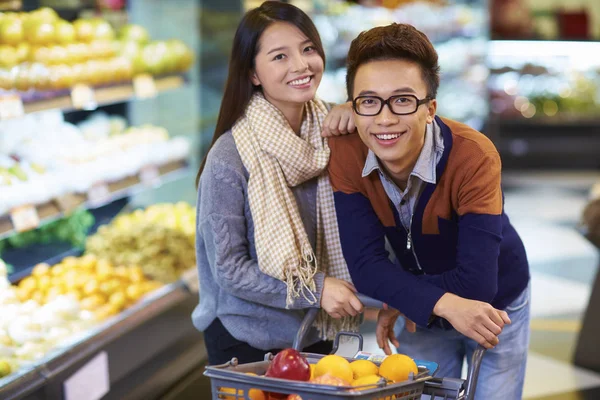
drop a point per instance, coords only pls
(423, 172)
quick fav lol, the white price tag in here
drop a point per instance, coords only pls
(98, 193)
(190, 279)
(11, 106)
(83, 97)
(149, 175)
(68, 202)
(144, 86)
(25, 218)
(90, 382)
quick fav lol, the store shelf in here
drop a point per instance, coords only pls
(111, 191)
(105, 95)
(571, 121)
(28, 380)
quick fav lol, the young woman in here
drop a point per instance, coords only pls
(267, 237)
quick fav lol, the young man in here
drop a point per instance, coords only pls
(431, 188)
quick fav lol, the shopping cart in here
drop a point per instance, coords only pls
(236, 381)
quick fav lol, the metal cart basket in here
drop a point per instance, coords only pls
(236, 381)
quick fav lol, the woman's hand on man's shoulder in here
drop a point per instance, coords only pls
(339, 121)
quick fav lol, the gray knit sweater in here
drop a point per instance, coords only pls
(250, 304)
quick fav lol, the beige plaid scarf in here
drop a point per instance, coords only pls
(277, 159)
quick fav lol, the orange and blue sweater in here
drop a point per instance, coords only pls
(462, 242)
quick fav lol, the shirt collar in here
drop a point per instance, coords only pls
(425, 167)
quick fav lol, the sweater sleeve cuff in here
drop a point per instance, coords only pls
(422, 315)
(301, 302)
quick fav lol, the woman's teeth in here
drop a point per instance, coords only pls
(299, 82)
(388, 136)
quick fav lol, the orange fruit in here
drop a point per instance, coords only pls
(294, 397)
(334, 365)
(397, 367)
(367, 380)
(255, 394)
(240, 393)
(361, 368)
(330, 380)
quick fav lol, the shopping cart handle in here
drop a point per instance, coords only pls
(369, 302)
(473, 375)
(311, 315)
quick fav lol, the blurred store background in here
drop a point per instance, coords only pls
(524, 72)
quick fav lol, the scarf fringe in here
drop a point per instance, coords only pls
(329, 327)
(300, 281)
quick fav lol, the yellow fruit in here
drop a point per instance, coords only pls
(334, 365)
(136, 274)
(54, 292)
(5, 368)
(38, 297)
(23, 294)
(43, 283)
(88, 261)
(105, 311)
(104, 270)
(134, 292)
(92, 302)
(397, 367)
(370, 380)
(70, 262)
(330, 380)
(312, 371)
(240, 393)
(255, 394)
(58, 269)
(40, 270)
(91, 287)
(28, 284)
(362, 368)
(118, 300)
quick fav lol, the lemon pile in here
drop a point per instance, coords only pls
(98, 285)
(160, 239)
(364, 374)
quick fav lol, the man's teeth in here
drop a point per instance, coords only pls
(299, 82)
(388, 136)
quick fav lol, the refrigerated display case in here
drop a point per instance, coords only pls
(107, 142)
(545, 103)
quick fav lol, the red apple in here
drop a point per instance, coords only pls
(288, 364)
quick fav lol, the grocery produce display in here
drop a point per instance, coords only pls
(55, 303)
(72, 229)
(52, 171)
(331, 370)
(458, 32)
(43, 157)
(160, 239)
(40, 51)
(551, 81)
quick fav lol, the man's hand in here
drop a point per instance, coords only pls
(474, 319)
(339, 298)
(339, 121)
(386, 319)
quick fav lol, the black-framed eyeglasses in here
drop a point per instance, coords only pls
(402, 104)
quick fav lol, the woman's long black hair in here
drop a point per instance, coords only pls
(239, 88)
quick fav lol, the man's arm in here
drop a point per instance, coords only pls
(479, 232)
(363, 242)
